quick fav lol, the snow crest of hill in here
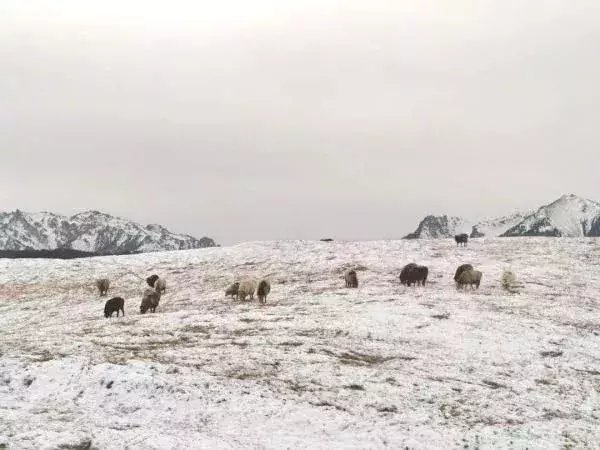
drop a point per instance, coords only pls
(89, 231)
(569, 216)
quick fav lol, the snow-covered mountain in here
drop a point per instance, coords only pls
(441, 227)
(89, 231)
(492, 227)
(569, 216)
(438, 227)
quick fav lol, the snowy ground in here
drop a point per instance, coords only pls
(319, 366)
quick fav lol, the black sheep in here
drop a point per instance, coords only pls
(233, 290)
(151, 280)
(112, 305)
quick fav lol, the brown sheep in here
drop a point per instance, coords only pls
(232, 290)
(112, 305)
(461, 269)
(469, 277)
(246, 289)
(264, 287)
(150, 301)
(414, 274)
(103, 284)
(351, 279)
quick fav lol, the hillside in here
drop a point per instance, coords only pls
(320, 366)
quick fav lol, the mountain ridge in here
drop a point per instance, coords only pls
(567, 216)
(89, 231)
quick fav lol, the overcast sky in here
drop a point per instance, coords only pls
(270, 119)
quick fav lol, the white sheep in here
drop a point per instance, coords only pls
(246, 289)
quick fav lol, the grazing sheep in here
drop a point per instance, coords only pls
(351, 279)
(160, 285)
(246, 289)
(461, 269)
(414, 274)
(461, 239)
(103, 284)
(151, 280)
(232, 290)
(150, 301)
(112, 305)
(469, 277)
(264, 287)
(510, 283)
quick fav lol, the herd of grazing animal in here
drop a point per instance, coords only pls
(414, 274)
(150, 298)
(411, 274)
(240, 290)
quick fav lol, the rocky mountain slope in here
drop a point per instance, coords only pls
(89, 231)
(438, 227)
(441, 227)
(491, 227)
(569, 216)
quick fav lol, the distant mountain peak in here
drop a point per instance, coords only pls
(436, 227)
(89, 231)
(570, 215)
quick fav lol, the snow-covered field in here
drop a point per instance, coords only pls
(319, 366)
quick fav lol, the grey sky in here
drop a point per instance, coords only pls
(301, 119)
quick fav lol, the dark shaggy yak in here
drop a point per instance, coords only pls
(414, 274)
(461, 239)
(233, 290)
(112, 305)
(461, 269)
(469, 278)
(351, 279)
(264, 287)
(151, 280)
